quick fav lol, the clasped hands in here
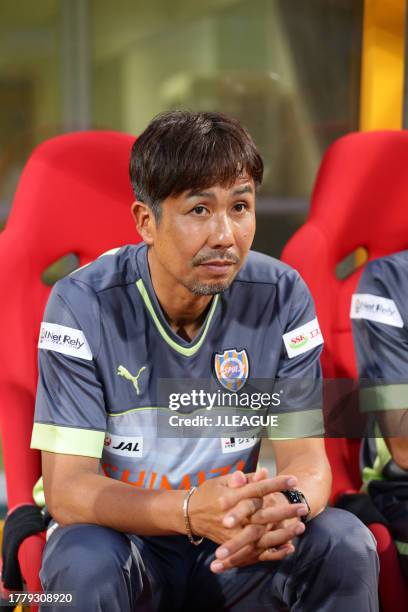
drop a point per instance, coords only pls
(248, 516)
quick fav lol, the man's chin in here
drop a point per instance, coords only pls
(200, 288)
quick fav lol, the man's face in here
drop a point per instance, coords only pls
(203, 237)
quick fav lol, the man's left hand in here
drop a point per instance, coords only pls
(280, 520)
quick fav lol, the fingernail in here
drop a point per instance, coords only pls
(291, 482)
(217, 567)
(302, 511)
(222, 553)
(229, 521)
(300, 529)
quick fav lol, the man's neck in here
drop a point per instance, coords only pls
(184, 311)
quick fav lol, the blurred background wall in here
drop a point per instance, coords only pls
(288, 69)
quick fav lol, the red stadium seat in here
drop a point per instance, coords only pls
(74, 196)
(359, 200)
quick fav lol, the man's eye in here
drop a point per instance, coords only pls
(199, 210)
(240, 206)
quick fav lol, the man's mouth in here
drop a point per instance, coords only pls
(218, 266)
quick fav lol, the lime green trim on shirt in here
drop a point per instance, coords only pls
(186, 351)
(38, 493)
(67, 440)
(300, 424)
(384, 397)
(139, 409)
(402, 547)
(381, 460)
(249, 411)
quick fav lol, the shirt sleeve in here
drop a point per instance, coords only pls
(299, 372)
(70, 415)
(381, 338)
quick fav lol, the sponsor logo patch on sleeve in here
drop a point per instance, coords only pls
(375, 308)
(126, 446)
(303, 338)
(66, 340)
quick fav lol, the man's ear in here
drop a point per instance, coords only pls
(145, 221)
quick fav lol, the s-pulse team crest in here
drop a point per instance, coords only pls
(232, 368)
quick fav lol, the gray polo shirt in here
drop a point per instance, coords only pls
(379, 312)
(105, 343)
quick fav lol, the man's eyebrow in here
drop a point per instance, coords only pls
(207, 194)
(241, 190)
(200, 194)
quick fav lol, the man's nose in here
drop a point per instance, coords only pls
(221, 234)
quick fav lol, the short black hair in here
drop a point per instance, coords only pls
(182, 150)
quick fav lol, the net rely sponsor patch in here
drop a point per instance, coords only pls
(375, 308)
(66, 340)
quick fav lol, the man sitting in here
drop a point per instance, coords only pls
(149, 522)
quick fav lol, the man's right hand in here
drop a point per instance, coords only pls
(217, 496)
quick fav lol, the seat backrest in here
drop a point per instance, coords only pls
(74, 196)
(359, 200)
